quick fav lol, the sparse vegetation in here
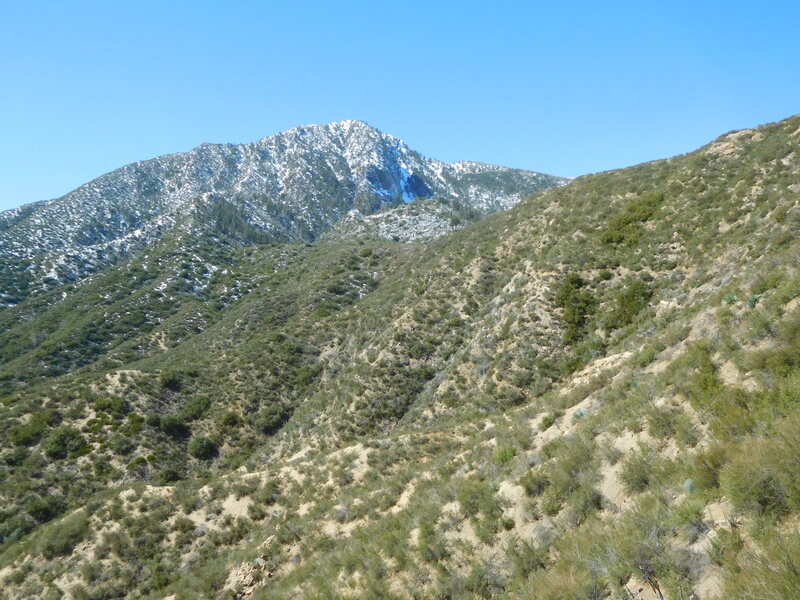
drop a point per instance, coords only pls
(544, 404)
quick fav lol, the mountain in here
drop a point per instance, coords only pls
(290, 186)
(592, 394)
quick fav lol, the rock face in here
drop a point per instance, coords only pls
(290, 186)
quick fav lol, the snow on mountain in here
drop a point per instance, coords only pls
(291, 186)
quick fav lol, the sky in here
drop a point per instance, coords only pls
(566, 88)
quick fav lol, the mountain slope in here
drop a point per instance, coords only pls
(590, 394)
(290, 186)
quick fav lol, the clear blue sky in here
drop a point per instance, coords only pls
(565, 88)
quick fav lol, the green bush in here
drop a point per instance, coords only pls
(753, 483)
(578, 305)
(772, 572)
(688, 516)
(170, 380)
(44, 509)
(203, 448)
(169, 474)
(663, 421)
(121, 445)
(483, 581)
(637, 471)
(183, 525)
(432, 547)
(160, 576)
(477, 496)
(27, 434)
(725, 547)
(526, 558)
(31, 432)
(766, 282)
(706, 466)
(573, 465)
(534, 481)
(551, 502)
(174, 426)
(256, 512)
(503, 454)
(269, 493)
(628, 301)
(563, 582)
(641, 544)
(271, 418)
(63, 441)
(138, 464)
(16, 456)
(62, 537)
(196, 407)
(626, 226)
(113, 405)
(584, 502)
(547, 421)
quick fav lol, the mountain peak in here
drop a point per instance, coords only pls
(346, 126)
(292, 185)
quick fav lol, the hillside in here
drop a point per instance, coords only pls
(591, 394)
